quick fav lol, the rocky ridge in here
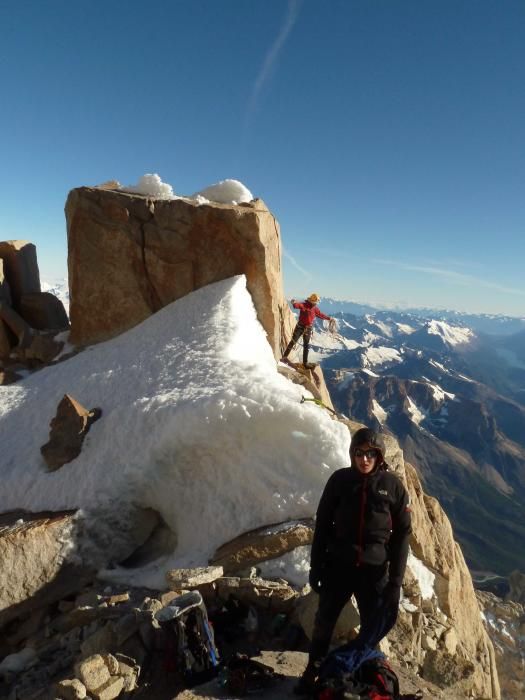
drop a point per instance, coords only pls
(505, 624)
(29, 318)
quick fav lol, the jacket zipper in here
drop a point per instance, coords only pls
(361, 523)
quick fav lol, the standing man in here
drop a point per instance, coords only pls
(360, 547)
(308, 311)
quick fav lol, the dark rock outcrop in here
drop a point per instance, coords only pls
(68, 429)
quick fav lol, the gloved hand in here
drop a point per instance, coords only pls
(391, 595)
(314, 580)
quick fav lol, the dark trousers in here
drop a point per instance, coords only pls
(367, 584)
(306, 332)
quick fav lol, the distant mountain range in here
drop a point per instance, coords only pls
(454, 396)
(496, 324)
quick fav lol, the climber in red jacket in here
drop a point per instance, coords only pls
(308, 311)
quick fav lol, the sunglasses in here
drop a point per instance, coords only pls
(371, 454)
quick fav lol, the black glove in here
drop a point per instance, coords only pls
(314, 580)
(391, 595)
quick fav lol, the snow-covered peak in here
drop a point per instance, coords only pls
(385, 329)
(405, 328)
(197, 424)
(380, 355)
(452, 335)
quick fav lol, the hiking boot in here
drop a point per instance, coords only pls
(306, 683)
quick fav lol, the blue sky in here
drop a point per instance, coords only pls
(388, 137)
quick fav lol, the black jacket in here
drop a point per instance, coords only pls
(362, 519)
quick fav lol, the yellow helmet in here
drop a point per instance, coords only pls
(314, 298)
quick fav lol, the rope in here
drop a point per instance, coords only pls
(333, 326)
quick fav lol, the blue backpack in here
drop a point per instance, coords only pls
(348, 672)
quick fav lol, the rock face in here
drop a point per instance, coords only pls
(28, 317)
(179, 579)
(5, 292)
(312, 380)
(505, 623)
(5, 340)
(32, 550)
(277, 596)
(262, 544)
(517, 587)
(14, 327)
(68, 429)
(130, 255)
(20, 268)
(346, 626)
(433, 543)
(43, 311)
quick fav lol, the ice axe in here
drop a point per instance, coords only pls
(318, 402)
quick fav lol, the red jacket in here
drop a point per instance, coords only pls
(308, 312)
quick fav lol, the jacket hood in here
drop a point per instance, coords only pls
(367, 436)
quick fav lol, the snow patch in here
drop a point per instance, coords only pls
(223, 192)
(416, 414)
(226, 192)
(424, 576)
(385, 329)
(293, 566)
(452, 335)
(405, 328)
(381, 355)
(379, 412)
(369, 337)
(439, 394)
(369, 372)
(151, 185)
(197, 424)
(438, 365)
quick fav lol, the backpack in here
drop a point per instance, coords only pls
(356, 673)
(382, 679)
(349, 674)
(190, 645)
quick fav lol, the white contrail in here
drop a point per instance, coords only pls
(295, 264)
(270, 60)
(453, 276)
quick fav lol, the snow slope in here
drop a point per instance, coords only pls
(197, 423)
(452, 335)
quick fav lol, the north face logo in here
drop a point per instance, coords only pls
(383, 492)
